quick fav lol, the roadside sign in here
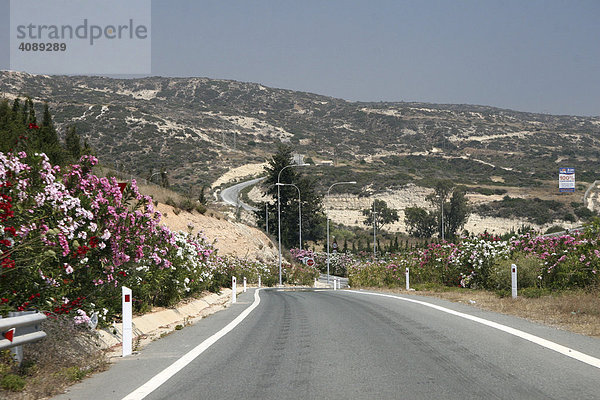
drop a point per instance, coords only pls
(566, 179)
(310, 262)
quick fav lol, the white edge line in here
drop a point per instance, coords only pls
(585, 358)
(157, 380)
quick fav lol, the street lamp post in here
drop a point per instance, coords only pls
(267, 211)
(443, 221)
(374, 232)
(442, 213)
(299, 211)
(328, 190)
(279, 211)
(267, 217)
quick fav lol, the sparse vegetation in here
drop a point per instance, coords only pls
(406, 142)
(67, 354)
(535, 210)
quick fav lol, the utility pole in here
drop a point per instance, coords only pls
(374, 232)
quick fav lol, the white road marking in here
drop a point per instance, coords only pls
(157, 380)
(585, 358)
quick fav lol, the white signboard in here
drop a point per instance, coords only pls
(566, 179)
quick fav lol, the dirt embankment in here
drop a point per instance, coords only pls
(230, 237)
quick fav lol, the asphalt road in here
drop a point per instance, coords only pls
(230, 195)
(309, 344)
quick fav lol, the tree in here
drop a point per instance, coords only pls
(458, 212)
(420, 222)
(441, 192)
(73, 144)
(313, 219)
(201, 196)
(164, 178)
(455, 212)
(45, 139)
(383, 215)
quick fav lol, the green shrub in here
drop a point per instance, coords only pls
(170, 202)
(187, 204)
(583, 213)
(12, 382)
(72, 374)
(528, 270)
(554, 229)
(372, 275)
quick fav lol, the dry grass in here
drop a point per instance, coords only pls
(65, 356)
(160, 194)
(577, 311)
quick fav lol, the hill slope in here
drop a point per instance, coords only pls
(198, 128)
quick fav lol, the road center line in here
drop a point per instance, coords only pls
(585, 358)
(157, 380)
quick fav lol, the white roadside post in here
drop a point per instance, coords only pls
(407, 279)
(233, 290)
(259, 281)
(127, 321)
(245, 285)
(514, 280)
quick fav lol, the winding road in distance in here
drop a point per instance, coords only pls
(325, 344)
(231, 194)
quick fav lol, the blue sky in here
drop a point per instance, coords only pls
(538, 56)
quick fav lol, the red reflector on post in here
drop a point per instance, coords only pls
(127, 298)
(9, 334)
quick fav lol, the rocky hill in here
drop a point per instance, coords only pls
(198, 129)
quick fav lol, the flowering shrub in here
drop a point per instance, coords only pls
(569, 261)
(374, 274)
(299, 274)
(68, 244)
(338, 262)
(484, 261)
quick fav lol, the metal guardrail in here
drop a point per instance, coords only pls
(26, 329)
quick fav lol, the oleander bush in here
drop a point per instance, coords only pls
(70, 241)
(484, 261)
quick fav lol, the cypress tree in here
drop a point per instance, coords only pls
(47, 138)
(73, 144)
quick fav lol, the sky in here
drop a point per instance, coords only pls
(534, 55)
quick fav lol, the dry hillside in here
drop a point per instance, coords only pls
(229, 237)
